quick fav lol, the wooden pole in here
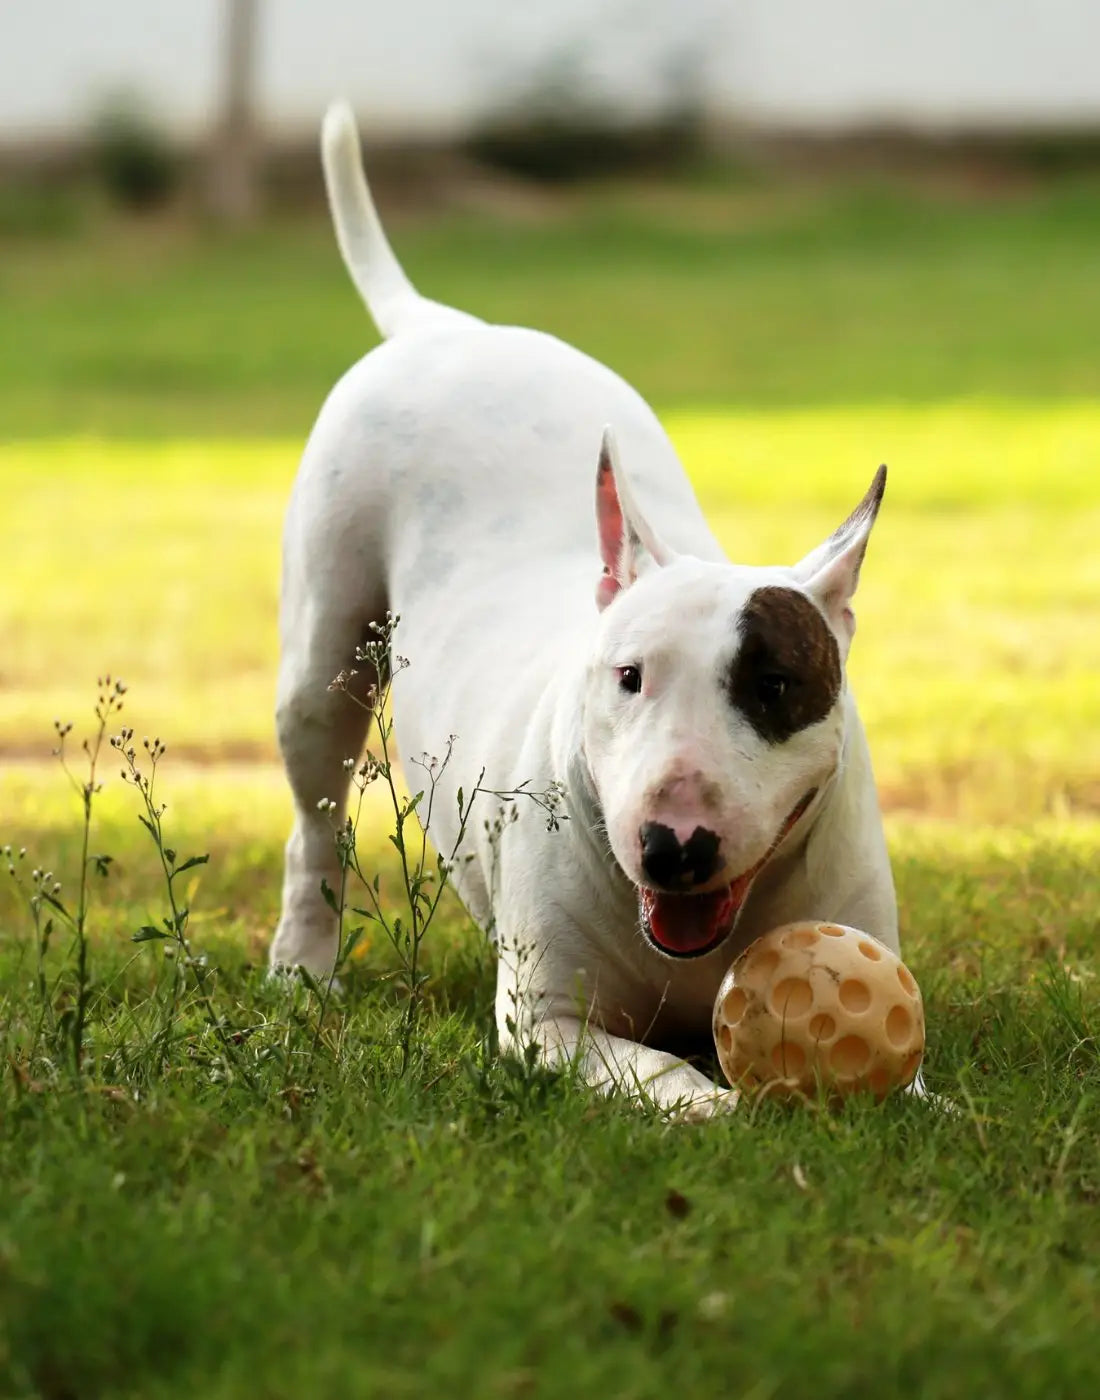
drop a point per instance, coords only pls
(234, 191)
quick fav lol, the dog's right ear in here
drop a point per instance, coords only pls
(627, 544)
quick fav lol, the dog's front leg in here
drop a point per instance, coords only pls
(542, 1000)
(612, 1064)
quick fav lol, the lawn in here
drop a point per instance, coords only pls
(706, 294)
(244, 1191)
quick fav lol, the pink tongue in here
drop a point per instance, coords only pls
(685, 923)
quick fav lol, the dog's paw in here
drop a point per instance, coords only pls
(290, 978)
(936, 1102)
(706, 1106)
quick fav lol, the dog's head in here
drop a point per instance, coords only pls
(713, 711)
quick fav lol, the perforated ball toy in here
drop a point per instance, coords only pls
(817, 1007)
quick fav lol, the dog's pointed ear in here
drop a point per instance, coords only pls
(830, 573)
(627, 544)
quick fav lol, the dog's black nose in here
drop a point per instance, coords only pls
(674, 866)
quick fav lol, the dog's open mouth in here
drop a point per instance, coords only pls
(689, 925)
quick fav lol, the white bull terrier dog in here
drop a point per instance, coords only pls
(568, 615)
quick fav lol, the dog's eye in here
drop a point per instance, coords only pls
(629, 678)
(771, 687)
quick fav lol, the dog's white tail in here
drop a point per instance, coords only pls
(392, 300)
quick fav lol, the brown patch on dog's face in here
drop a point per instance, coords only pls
(786, 674)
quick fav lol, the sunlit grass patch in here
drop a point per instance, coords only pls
(975, 661)
(968, 455)
(240, 815)
(157, 562)
(969, 892)
(1008, 897)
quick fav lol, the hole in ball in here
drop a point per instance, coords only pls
(905, 977)
(800, 938)
(849, 1056)
(899, 1027)
(855, 996)
(870, 950)
(792, 998)
(822, 1026)
(788, 1059)
(733, 1008)
(758, 967)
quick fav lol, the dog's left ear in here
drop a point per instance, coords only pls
(628, 546)
(830, 574)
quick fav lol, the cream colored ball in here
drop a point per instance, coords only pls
(815, 1007)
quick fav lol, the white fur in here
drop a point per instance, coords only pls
(451, 478)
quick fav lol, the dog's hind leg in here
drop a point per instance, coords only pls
(319, 729)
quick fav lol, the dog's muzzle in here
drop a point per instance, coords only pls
(685, 925)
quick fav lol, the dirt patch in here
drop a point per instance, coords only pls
(235, 752)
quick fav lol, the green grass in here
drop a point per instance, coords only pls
(330, 1227)
(762, 297)
(496, 1233)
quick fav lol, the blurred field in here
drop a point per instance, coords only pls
(715, 292)
(324, 1225)
(975, 662)
(793, 335)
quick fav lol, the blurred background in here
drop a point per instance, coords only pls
(816, 237)
(141, 134)
(434, 70)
